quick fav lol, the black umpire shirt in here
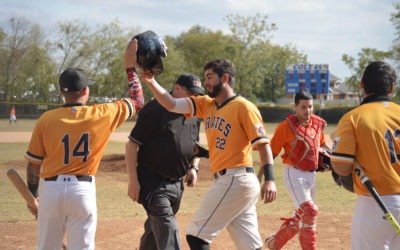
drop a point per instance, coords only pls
(166, 141)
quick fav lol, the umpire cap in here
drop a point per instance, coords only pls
(150, 50)
(188, 81)
(73, 79)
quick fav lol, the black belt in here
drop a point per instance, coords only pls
(87, 178)
(223, 172)
(172, 180)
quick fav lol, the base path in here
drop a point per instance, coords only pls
(116, 136)
(26, 136)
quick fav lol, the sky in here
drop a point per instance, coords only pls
(324, 30)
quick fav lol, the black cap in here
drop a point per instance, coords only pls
(73, 79)
(187, 81)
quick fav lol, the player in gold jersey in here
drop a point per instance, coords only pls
(370, 135)
(234, 128)
(65, 150)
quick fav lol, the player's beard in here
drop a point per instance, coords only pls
(215, 90)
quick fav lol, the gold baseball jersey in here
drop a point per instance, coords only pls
(71, 140)
(232, 129)
(370, 134)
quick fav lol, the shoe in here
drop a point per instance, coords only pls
(269, 242)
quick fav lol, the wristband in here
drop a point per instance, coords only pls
(195, 167)
(135, 91)
(268, 172)
(130, 69)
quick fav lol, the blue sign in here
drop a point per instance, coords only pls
(313, 78)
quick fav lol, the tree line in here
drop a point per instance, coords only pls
(31, 60)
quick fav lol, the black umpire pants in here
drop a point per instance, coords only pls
(161, 199)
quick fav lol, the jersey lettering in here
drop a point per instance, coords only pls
(394, 156)
(81, 148)
(227, 130)
(218, 123)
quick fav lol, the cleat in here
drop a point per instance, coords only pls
(269, 242)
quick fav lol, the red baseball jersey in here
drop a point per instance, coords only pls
(284, 137)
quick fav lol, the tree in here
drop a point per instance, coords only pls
(23, 55)
(357, 66)
(174, 65)
(105, 53)
(199, 45)
(39, 67)
(395, 19)
(251, 35)
(273, 76)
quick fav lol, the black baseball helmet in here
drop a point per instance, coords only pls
(150, 50)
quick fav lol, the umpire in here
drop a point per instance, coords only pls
(159, 153)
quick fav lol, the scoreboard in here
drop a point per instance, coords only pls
(314, 78)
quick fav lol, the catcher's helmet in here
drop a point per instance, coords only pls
(150, 50)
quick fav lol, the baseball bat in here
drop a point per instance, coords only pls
(22, 188)
(366, 181)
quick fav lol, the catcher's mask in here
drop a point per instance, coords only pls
(150, 50)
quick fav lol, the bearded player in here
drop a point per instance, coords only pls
(234, 128)
(301, 136)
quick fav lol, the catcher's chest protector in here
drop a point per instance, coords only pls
(305, 149)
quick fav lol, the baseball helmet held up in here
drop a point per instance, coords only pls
(150, 50)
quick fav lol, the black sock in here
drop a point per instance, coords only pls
(196, 243)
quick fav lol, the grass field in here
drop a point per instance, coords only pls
(111, 187)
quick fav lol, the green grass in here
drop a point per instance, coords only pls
(112, 199)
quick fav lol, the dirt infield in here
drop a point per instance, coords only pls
(119, 233)
(124, 233)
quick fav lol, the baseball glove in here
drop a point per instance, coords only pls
(343, 181)
(324, 160)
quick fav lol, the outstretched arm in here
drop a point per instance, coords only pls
(135, 88)
(162, 96)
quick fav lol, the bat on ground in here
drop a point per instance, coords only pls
(19, 183)
(366, 181)
(22, 188)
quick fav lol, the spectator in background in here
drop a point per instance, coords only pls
(13, 117)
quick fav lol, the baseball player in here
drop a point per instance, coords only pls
(370, 135)
(234, 128)
(301, 136)
(13, 117)
(65, 150)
